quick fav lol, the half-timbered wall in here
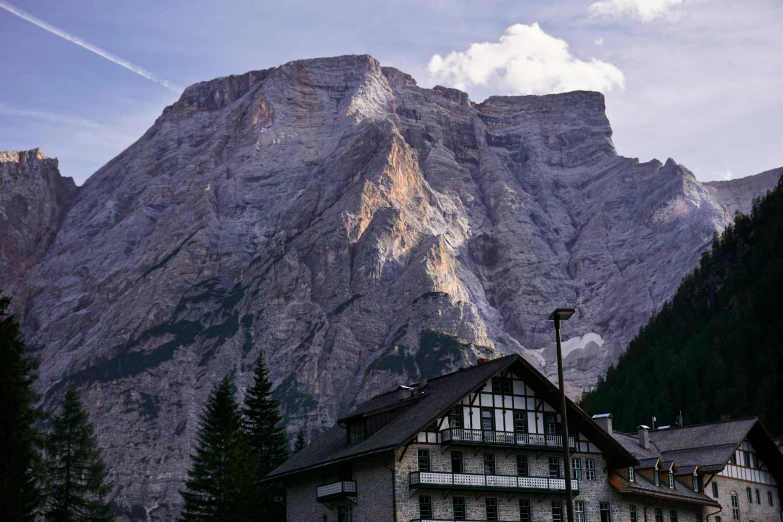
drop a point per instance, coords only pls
(521, 398)
(747, 466)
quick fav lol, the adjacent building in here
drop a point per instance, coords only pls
(485, 443)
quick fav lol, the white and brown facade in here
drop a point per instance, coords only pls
(483, 443)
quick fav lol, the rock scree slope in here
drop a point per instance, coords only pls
(360, 232)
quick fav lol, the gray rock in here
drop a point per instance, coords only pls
(34, 198)
(330, 214)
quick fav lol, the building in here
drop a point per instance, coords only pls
(483, 443)
(735, 462)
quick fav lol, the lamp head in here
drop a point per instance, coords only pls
(562, 314)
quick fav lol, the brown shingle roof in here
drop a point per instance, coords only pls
(437, 397)
(642, 486)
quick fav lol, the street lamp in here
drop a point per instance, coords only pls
(563, 314)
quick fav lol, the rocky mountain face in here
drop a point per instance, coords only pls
(34, 199)
(360, 232)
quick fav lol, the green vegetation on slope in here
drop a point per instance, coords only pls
(717, 347)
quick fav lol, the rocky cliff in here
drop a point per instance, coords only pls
(359, 231)
(34, 199)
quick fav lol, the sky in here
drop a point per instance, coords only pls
(700, 81)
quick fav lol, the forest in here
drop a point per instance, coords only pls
(715, 348)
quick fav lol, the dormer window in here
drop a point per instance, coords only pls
(501, 386)
(355, 431)
(696, 483)
(671, 479)
(656, 477)
(631, 474)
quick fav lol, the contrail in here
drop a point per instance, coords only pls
(97, 50)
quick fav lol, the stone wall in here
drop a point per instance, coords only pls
(374, 500)
(754, 512)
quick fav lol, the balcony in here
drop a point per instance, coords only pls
(435, 480)
(336, 490)
(503, 438)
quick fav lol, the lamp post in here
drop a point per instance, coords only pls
(563, 314)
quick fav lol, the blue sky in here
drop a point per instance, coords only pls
(700, 81)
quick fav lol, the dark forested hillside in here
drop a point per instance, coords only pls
(717, 347)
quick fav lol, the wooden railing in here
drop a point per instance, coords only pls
(420, 479)
(503, 438)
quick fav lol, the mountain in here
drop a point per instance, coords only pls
(722, 317)
(361, 232)
(34, 199)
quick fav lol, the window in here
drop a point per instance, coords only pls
(633, 513)
(487, 420)
(455, 417)
(658, 515)
(522, 469)
(606, 515)
(550, 424)
(750, 495)
(492, 508)
(424, 460)
(672, 515)
(714, 490)
(758, 497)
(579, 511)
(696, 483)
(459, 508)
(345, 513)
(769, 498)
(524, 510)
(425, 506)
(699, 517)
(501, 386)
(554, 467)
(520, 421)
(355, 432)
(717, 519)
(671, 479)
(735, 512)
(489, 463)
(557, 511)
(456, 462)
(631, 474)
(576, 469)
(590, 469)
(656, 477)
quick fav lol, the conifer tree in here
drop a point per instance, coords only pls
(268, 442)
(300, 442)
(221, 479)
(75, 487)
(19, 440)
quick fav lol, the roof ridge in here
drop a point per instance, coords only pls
(675, 427)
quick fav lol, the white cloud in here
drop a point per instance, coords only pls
(599, 41)
(526, 60)
(644, 10)
(724, 176)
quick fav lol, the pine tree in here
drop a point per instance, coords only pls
(268, 441)
(300, 441)
(19, 440)
(221, 479)
(75, 487)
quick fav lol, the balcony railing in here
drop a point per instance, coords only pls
(342, 489)
(443, 520)
(503, 438)
(433, 479)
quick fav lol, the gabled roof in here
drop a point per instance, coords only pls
(710, 446)
(432, 401)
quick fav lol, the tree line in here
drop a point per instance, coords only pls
(51, 467)
(717, 347)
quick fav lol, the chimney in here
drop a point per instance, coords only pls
(404, 392)
(481, 360)
(605, 421)
(644, 436)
